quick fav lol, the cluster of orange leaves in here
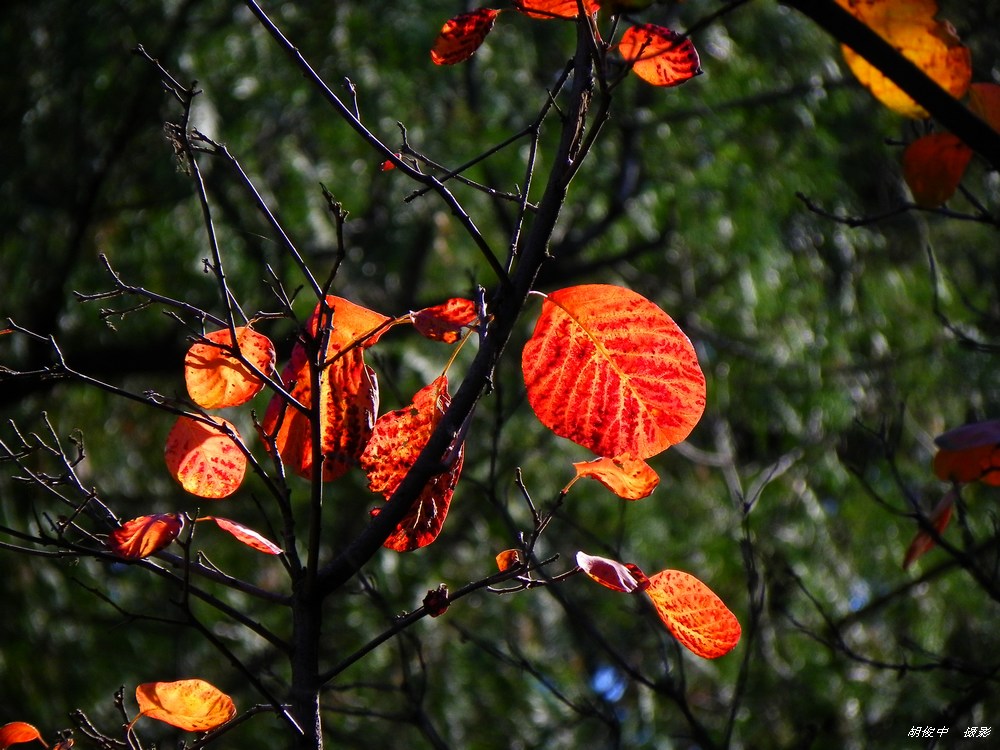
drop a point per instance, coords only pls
(656, 54)
(970, 453)
(933, 165)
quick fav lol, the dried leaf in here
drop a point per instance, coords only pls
(145, 535)
(939, 519)
(17, 732)
(508, 559)
(609, 370)
(204, 459)
(462, 35)
(548, 9)
(396, 442)
(933, 167)
(910, 27)
(246, 535)
(436, 602)
(216, 379)
(625, 577)
(693, 613)
(659, 55)
(445, 322)
(191, 705)
(630, 479)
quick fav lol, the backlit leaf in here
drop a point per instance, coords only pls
(978, 464)
(555, 8)
(933, 167)
(984, 100)
(349, 393)
(611, 371)
(191, 705)
(931, 45)
(693, 613)
(444, 322)
(939, 519)
(216, 379)
(462, 35)
(630, 479)
(508, 559)
(659, 55)
(204, 459)
(396, 441)
(17, 732)
(145, 535)
(625, 577)
(246, 535)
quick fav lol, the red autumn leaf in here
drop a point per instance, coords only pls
(630, 479)
(145, 535)
(462, 35)
(911, 27)
(933, 167)
(625, 577)
(16, 732)
(984, 101)
(348, 393)
(659, 55)
(246, 535)
(547, 9)
(972, 435)
(978, 464)
(204, 458)
(693, 613)
(444, 322)
(508, 559)
(436, 602)
(609, 370)
(191, 705)
(216, 379)
(939, 519)
(396, 441)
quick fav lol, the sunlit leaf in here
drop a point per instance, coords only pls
(972, 435)
(17, 732)
(191, 705)
(246, 535)
(349, 393)
(933, 167)
(462, 35)
(659, 55)
(625, 577)
(145, 535)
(630, 479)
(931, 45)
(693, 613)
(444, 322)
(397, 440)
(984, 101)
(555, 8)
(979, 464)
(216, 379)
(508, 559)
(939, 519)
(611, 371)
(204, 458)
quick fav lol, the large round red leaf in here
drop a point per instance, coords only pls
(611, 371)
(462, 35)
(204, 458)
(215, 379)
(693, 613)
(191, 705)
(659, 55)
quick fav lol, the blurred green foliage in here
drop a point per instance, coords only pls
(829, 351)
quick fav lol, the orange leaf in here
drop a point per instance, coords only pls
(16, 732)
(659, 55)
(692, 612)
(978, 464)
(508, 559)
(204, 459)
(396, 441)
(548, 9)
(191, 705)
(611, 371)
(462, 35)
(933, 167)
(931, 45)
(939, 519)
(984, 101)
(348, 392)
(625, 577)
(216, 379)
(145, 535)
(246, 535)
(444, 322)
(630, 479)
